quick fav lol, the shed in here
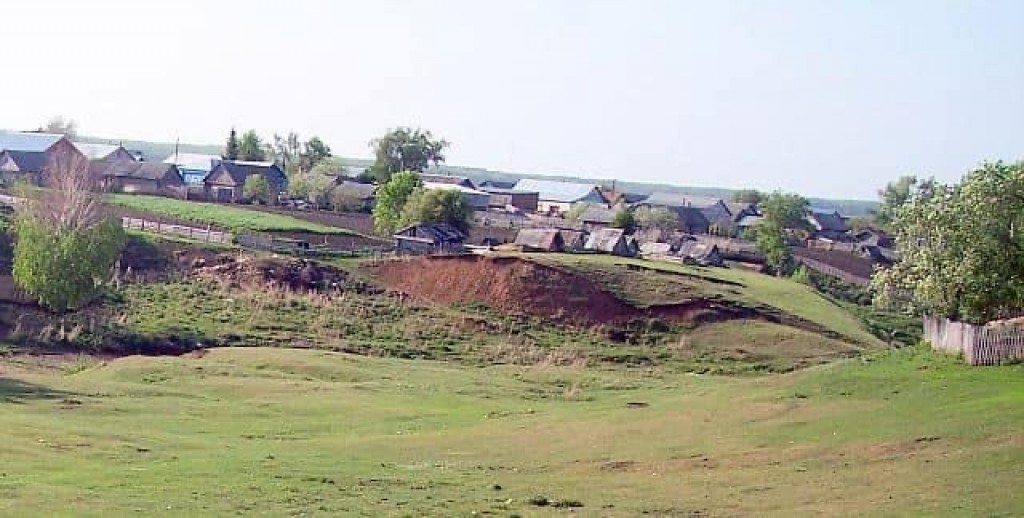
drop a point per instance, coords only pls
(573, 240)
(610, 241)
(540, 240)
(704, 254)
(430, 239)
(129, 176)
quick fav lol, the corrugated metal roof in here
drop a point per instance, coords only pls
(562, 192)
(672, 199)
(131, 169)
(25, 161)
(19, 141)
(605, 239)
(95, 151)
(194, 161)
(549, 239)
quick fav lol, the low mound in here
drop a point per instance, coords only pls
(293, 274)
(518, 286)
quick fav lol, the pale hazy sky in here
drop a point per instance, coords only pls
(821, 97)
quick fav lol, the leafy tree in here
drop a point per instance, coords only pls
(658, 218)
(624, 219)
(438, 206)
(786, 210)
(231, 148)
(747, 196)
(257, 189)
(962, 248)
(314, 152)
(771, 241)
(251, 147)
(405, 149)
(331, 167)
(391, 198)
(61, 126)
(66, 245)
(893, 196)
(286, 151)
(345, 200)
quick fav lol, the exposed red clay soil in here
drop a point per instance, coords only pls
(517, 286)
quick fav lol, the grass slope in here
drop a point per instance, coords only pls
(657, 282)
(280, 432)
(236, 219)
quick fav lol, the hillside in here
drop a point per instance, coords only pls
(292, 432)
(161, 150)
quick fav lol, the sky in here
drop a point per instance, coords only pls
(825, 98)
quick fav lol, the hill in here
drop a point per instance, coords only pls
(161, 150)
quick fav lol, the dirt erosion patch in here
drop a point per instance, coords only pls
(293, 274)
(517, 286)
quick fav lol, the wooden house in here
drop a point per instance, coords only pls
(226, 182)
(32, 156)
(129, 176)
(540, 240)
(610, 241)
(430, 239)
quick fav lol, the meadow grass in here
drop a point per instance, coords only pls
(278, 431)
(237, 219)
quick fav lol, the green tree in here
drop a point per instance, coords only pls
(231, 148)
(786, 210)
(657, 218)
(624, 219)
(438, 206)
(345, 200)
(314, 151)
(405, 149)
(771, 241)
(251, 147)
(962, 247)
(753, 196)
(256, 189)
(391, 198)
(892, 197)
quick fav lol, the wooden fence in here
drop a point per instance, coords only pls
(990, 344)
(198, 234)
(826, 269)
(301, 248)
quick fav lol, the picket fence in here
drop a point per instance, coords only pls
(991, 344)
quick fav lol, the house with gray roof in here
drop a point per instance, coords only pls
(29, 155)
(130, 176)
(714, 210)
(610, 241)
(557, 198)
(828, 224)
(430, 239)
(227, 181)
(104, 151)
(540, 240)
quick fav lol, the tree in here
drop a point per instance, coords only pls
(391, 198)
(771, 241)
(752, 196)
(231, 148)
(438, 206)
(787, 210)
(314, 152)
(576, 212)
(61, 126)
(345, 200)
(962, 247)
(66, 245)
(257, 189)
(625, 220)
(657, 218)
(893, 196)
(405, 149)
(251, 147)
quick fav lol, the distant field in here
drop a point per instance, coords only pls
(289, 432)
(237, 219)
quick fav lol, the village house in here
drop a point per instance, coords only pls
(597, 217)
(558, 198)
(714, 210)
(700, 253)
(430, 239)
(511, 200)
(194, 167)
(828, 225)
(127, 175)
(363, 195)
(478, 200)
(28, 155)
(540, 240)
(610, 241)
(226, 182)
(104, 151)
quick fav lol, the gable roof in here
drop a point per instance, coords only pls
(598, 214)
(27, 141)
(561, 192)
(194, 161)
(239, 170)
(125, 168)
(26, 161)
(736, 209)
(496, 184)
(672, 199)
(606, 239)
(540, 238)
(828, 221)
(445, 179)
(95, 151)
(691, 217)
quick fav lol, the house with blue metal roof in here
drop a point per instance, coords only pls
(556, 198)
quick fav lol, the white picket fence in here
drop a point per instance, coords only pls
(991, 344)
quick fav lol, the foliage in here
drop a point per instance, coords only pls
(753, 196)
(313, 187)
(962, 248)
(892, 197)
(391, 198)
(251, 147)
(231, 148)
(658, 218)
(405, 149)
(345, 200)
(234, 218)
(64, 268)
(61, 126)
(624, 219)
(257, 189)
(314, 152)
(329, 167)
(771, 241)
(438, 206)
(576, 212)
(785, 210)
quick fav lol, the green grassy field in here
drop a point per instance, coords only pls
(278, 431)
(237, 219)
